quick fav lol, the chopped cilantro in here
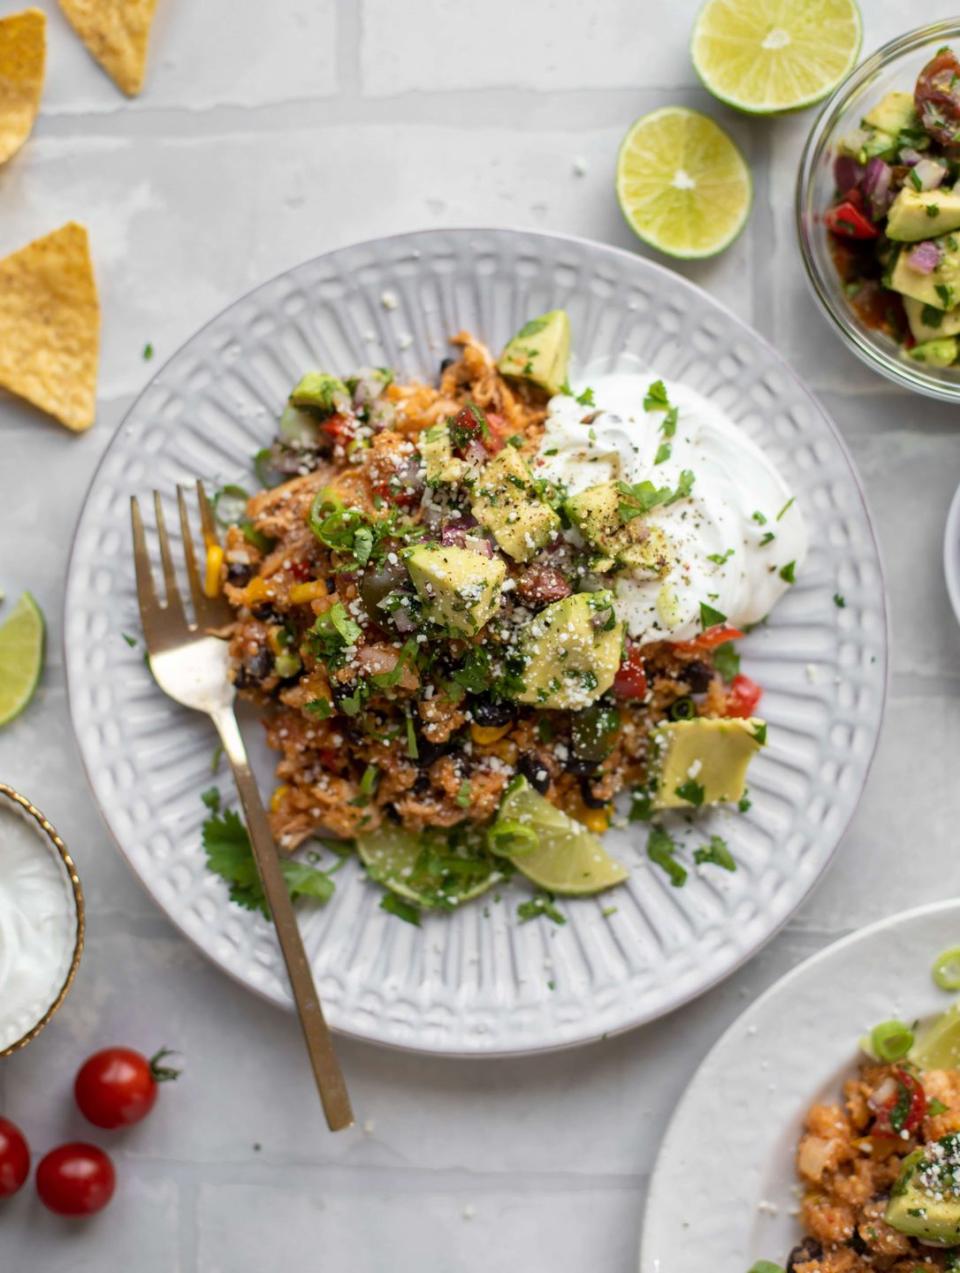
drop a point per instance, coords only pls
(715, 853)
(759, 519)
(767, 538)
(936, 1107)
(839, 600)
(463, 795)
(586, 398)
(539, 904)
(915, 179)
(789, 504)
(932, 212)
(656, 398)
(930, 316)
(660, 850)
(333, 631)
(709, 617)
(744, 804)
(691, 791)
(130, 640)
(641, 497)
(788, 573)
(719, 559)
(368, 785)
(945, 293)
(211, 798)
(760, 732)
(147, 352)
(641, 805)
(474, 672)
(321, 708)
(663, 453)
(406, 911)
(669, 426)
(727, 660)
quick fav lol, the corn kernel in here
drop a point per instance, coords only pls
(303, 592)
(483, 735)
(595, 820)
(256, 591)
(276, 800)
(211, 581)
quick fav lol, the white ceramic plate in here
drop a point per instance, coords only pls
(724, 1181)
(477, 981)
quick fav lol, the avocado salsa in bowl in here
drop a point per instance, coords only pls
(478, 611)
(878, 209)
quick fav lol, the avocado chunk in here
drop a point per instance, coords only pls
(893, 113)
(540, 351)
(868, 143)
(931, 324)
(925, 1201)
(704, 760)
(919, 214)
(320, 393)
(641, 548)
(571, 651)
(506, 503)
(935, 353)
(939, 289)
(459, 588)
(436, 451)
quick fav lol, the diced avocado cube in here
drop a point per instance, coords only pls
(634, 545)
(436, 451)
(923, 1203)
(935, 353)
(506, 503)
(941, 288)
(540, 351)
(571, 652)
(321, 393)
(931, 324)
(459, 588)
(920, 214)
(893, 113)
(868, 143)
(704, 760)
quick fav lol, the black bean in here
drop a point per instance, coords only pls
(447, 362)
(587, 796)
(581, 768)
(535, 772)
(266, 614)
(238, 573)
(489, 711)
(698, 676)
(809, 1249)
(858, 1244)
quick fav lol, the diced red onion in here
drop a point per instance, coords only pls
(925, 257)
(929, 174)
(876, 186)
(453, 536)
(456, 535)
(474, 453)
(909, 156)
(403, 621)
(847, 173)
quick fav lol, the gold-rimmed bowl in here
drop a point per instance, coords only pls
(13, 805)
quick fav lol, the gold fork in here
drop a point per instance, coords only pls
(189, 664)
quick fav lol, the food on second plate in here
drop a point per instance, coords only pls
(765, 57)
(23, 49)
(480, 610)
(895, 220)
(50, 326)
(881, 1170)
(682, 183)
(117, 34)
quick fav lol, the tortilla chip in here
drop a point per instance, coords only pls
(116, 33)
(50, 326)
(23, 50)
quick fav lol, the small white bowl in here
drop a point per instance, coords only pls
(32, 1019)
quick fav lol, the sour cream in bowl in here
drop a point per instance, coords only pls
(736, 536)
(41, 921)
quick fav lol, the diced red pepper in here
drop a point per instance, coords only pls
(904, 1110)
(719, 634)
(849, 222)
(743, 696)
(339, 429)
(301, 571)
(631, 679)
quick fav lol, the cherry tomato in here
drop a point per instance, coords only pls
(76, 1179)
(631, 679)
(742, 696)
(14, 1158)
(904, 1110)
(339, 429)
(709, 639)
(117, 1087)
(499, 432)
(849, 222)
(937, 99)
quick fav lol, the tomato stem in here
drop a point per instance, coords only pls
(163, 1073)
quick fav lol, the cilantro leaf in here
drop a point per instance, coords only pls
(715, 853)
(663, 453)
(720, 559)
(395, 905)
(839, 600)
(789, 504)
(656, 398)
(691, 791)
(669, 426)
(586, 398)
(788, 573)
(727, 660)
(709, 617)
(539, 904)
(660, 850)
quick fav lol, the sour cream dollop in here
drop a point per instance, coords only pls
(38, 924)
(732, 539)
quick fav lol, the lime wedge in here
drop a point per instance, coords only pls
(551, 850)
(21, 657)
(424, 868)
(938, 1046)
(765, 56)
(682, 184)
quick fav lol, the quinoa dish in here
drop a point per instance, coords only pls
(476, 611)
(880, 1172)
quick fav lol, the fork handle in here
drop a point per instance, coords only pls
(326, 1068)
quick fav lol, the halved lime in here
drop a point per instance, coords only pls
(766, 56)
(423, 868)
(551, 850)
(21, 657)
(682, 184)
(938, 1046)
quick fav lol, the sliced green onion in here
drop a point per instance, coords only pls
(267, 475)
(766, 1266)
(946, 969)
(891, 1040)
(263, 543)
(683, 709)
(510, 838)
(230, 504)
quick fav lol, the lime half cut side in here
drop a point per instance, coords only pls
(551, 850)
(420, 868)
(767, 56)
(938, 1046)
(21, 657)
(682, 184)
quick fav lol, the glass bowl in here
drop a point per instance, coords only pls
(894, 66)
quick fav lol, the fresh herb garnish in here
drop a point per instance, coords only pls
(691, 791)
(333, 631)
(586, 398)
(744, 804)
(663, 453)
(788, 572)
(639, 498)
(726, 660)
(539, 904)
(130, 640)
(660, 850)
(759, 519)
(930, 316)
(767, 538)
(719, 559)
(319, 708)
(709, 617)
(789, 504)
(839, 600)
(395, 905)
(715, 853)
(147, 352)
(463, 795)
(656, 399)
